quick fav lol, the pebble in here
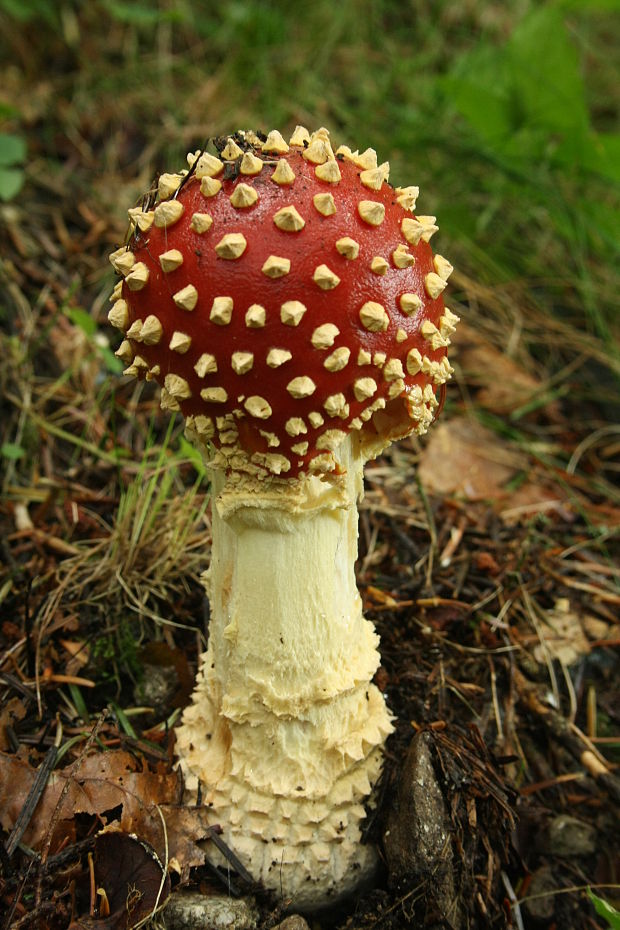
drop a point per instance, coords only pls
(543, 882)
(294, 922)
(190, 910)
(568, 836)
(416, 841)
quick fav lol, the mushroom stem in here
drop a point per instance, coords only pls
(284, 689)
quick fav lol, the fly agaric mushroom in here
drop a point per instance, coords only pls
(286, 299)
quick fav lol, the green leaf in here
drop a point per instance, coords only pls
(189, 452)
(25, 10)
(605, 910)
(12, 149)
(11, 180)
(10, 450)
(8, 110)
(545, 74)
(478, 87)
(79, 703)
(112, 363)
(589, 6)
(123, 720)
(84, 320)
(136, 14)
(527, 98)
(598, 153)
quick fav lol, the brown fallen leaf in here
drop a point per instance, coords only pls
(501, 384)
(186, 827)
(562, 634)
(106, 782)
(465, 459)
(130, 880)
(11, 712)
(462, 457)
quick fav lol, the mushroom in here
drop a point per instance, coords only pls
(286, 299)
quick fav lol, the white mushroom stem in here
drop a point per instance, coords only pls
(285, 730)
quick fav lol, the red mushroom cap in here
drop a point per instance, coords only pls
(282, 295)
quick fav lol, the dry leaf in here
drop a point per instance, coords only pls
(104, 783)
(11, 712)
(502, 385)
(563, 634)
(109, 787)
(130, 881)
(186, 827)
(464, 458)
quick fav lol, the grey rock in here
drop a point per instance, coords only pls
(543, 883)
(294, 922)
(568, 836)
(157, 687)
(417, 840)
(188, 910)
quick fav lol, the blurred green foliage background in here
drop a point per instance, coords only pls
(504, 113)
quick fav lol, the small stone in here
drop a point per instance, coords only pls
(157, 687)
(192, 910)
(540, 899)
(568, 836)
(417, 839)
(294, 922)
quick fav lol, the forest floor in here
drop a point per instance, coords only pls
(488, 563)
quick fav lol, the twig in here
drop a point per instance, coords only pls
(34, 796)
(550, 783)
(514, 903)
(165, 864)
(577, 743)
(17, 898)
(236, 863)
